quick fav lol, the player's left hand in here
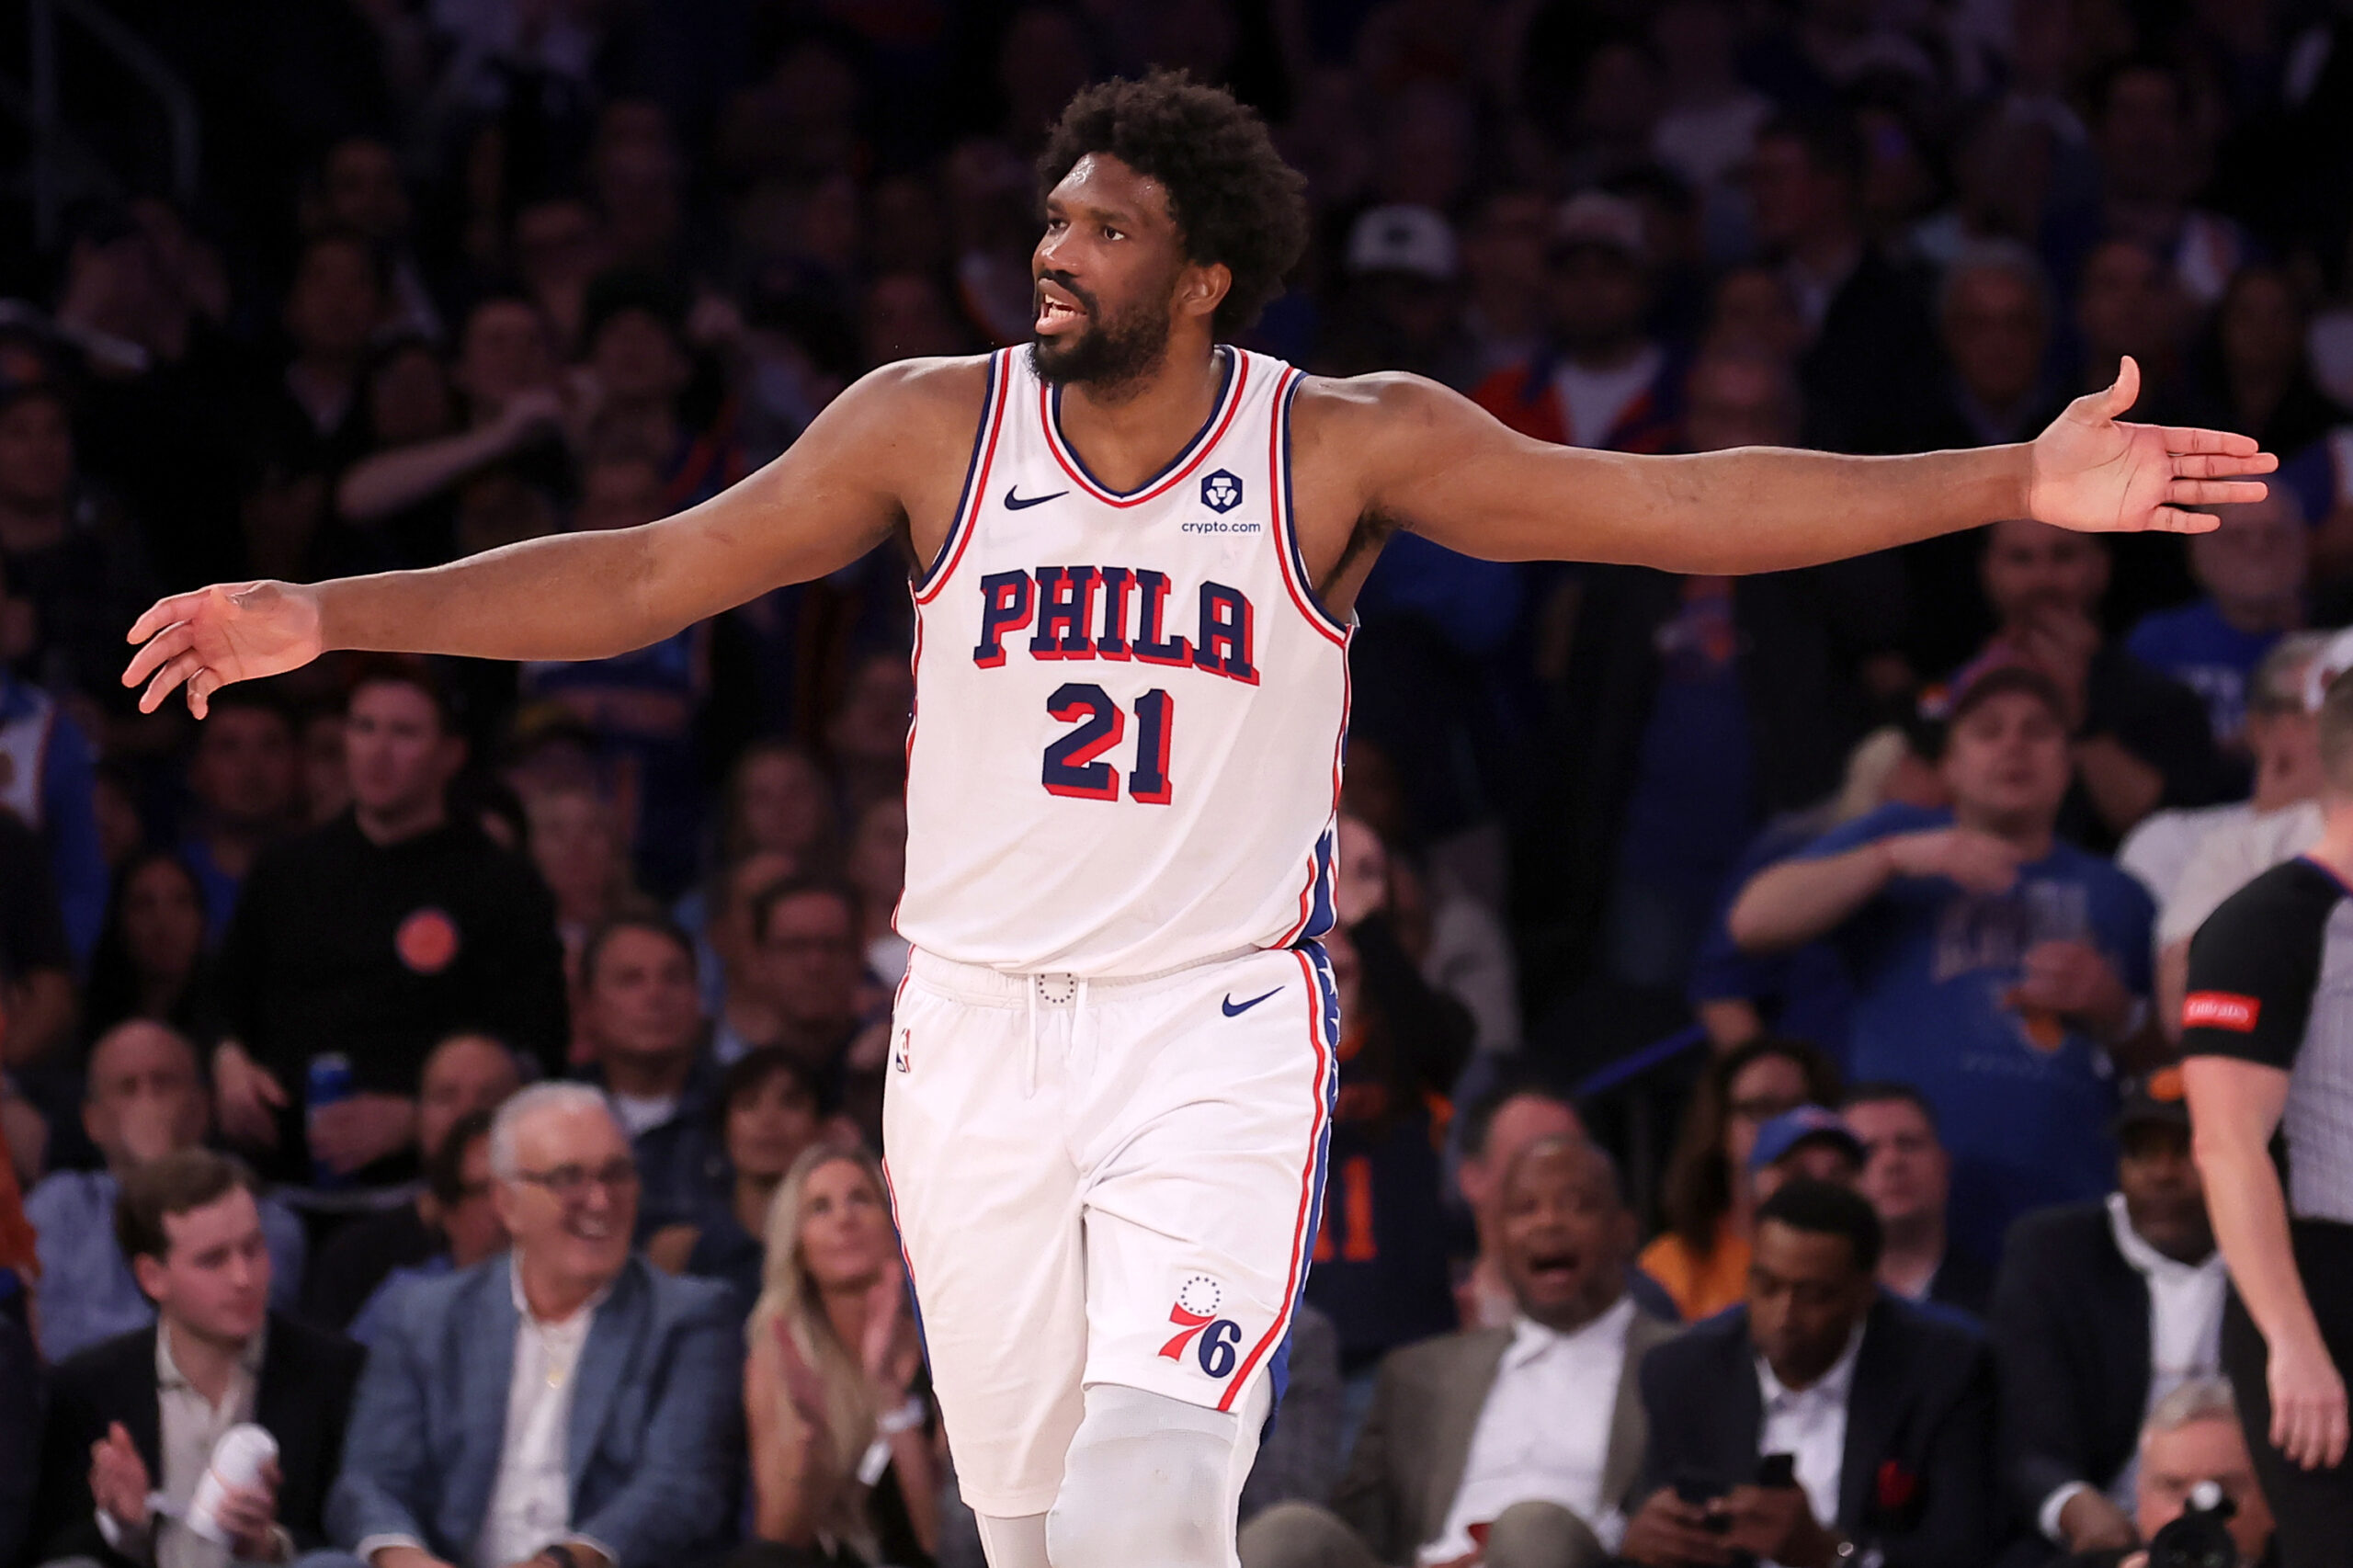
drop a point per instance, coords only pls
(2093, 473)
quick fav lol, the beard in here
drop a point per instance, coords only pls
(1108, 354)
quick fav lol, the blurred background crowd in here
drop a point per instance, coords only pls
(379, 283)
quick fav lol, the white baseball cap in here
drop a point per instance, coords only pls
(1402, 238)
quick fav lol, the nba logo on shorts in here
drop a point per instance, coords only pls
(1199, 1328)
(1221, 491)
(901, 1053)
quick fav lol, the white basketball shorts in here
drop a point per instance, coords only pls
(1112, 1181)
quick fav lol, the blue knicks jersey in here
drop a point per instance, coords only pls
(1129, 707)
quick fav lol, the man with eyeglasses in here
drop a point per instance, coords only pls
(564, 1407)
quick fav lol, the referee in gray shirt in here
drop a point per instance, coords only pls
(2267, 1048)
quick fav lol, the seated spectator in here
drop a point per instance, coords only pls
(133, 1419)
(146, 1101)
(1489, 1132)
(2250, 575)
(373, 937)
(465, 1219)
(2192, 1438)
(587, 1399)
(765, 1116)
(2152, 135)
(644, 1026)
(778, 799)
(809, 973)
(1601, 379)
(2101, 1310)
(36, 961)
(467, 1074)
(1379, 1256)
(2281, 818)
(1997, 968)
(49, 786)
(835, 1396)
(1907, 1177)
(1533, 1431)
(1808, 1143)
(728, 952)
(876, 865)
(2138, 738)
(1886, 1414)
(578, 847)
(865, 739)
(1702, 1259)
(151, 960)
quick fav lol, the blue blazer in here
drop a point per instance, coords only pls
(653, 1435)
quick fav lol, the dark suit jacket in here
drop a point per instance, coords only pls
(1406, 1466)
(651, 1446)
(2070, 1335)
(1918, 1480)
(1963, 1283)
(303, 1398)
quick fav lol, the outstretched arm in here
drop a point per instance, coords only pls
(1440, 466)
(869, 460)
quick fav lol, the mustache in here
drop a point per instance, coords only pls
(1066, 282)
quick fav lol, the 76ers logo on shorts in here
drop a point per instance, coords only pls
(1211, 1338)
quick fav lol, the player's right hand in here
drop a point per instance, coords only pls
(2308, 1415)
(1975, 859)
(227, 633)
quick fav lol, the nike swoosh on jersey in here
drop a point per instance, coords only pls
(1235, 1009)
(1016, 503)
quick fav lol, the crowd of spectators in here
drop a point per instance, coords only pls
(473, 1072)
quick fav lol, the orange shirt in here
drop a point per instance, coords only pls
(1701, 1284)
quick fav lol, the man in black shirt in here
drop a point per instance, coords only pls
(2267, 1039)
(374, 936)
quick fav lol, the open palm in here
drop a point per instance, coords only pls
(2094, 473)
(227, 633)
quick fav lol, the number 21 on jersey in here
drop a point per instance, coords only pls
(1073, 763)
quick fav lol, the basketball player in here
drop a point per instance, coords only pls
(1133, 552)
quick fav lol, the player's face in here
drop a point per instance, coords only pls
(1107, 273)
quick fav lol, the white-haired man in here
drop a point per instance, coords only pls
(587, 1399)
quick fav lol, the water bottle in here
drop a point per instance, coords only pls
(330, 1083)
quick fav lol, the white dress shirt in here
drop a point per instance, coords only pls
(189, 1426)
(2185, 1341)
(1544, 1433)
(531, 1498)
(1810, 1425)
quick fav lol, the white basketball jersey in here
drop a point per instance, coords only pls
(1129, 707)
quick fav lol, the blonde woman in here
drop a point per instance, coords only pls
(835, 1398)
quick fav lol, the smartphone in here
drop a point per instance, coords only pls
(1778, 1470)
(1700, 1489)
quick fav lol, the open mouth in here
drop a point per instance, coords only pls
(1058, 309)
(590, 1227)
(1554, 1270)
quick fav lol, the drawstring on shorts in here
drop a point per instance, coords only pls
(1056, 988)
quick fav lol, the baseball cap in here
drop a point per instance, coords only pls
(1781, 1135)
(1598, 218)
(1402, 238)
(2157, 1097)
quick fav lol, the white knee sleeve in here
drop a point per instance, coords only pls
(1016, 1542)
(1149, 1483)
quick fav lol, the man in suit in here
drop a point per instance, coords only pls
(2100, 1309)
(1523, 1438)
(139, 1414)
(1822, 1421)
(563, 1406)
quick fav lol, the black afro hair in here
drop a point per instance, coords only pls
(1234, 201)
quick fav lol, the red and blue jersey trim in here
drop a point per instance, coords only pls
(1204, 441)
(1324, 1040)
(1294, 564)
(976, 484)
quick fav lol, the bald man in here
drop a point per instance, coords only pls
(144, 1100)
